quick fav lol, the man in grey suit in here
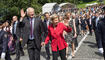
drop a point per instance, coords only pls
(32, 33)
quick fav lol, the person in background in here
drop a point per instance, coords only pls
(19, 49)
(76, 24)
(89, 23)
(60, 18)
(98, 41)
(101, 31)
(83, 25)
(11, 42)
(70, 37)
(4, 50)
(46, 23)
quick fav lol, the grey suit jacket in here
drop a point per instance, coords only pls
(38, 31)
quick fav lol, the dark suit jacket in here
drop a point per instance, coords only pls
(94, 23)
(45, 27)
(38, 31)
(101, 31)
(3, 41)
(14, 35)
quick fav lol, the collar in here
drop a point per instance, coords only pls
(55, 25)
(46, 20)
(16, 21)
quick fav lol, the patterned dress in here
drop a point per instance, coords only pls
(69, 36)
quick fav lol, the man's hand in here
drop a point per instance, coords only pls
(43, 44)
(21, 39)
(3, 55)
(22, 13)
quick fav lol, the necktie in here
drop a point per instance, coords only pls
(31, 27)
(13, 28)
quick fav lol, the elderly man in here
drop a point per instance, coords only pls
(32, 33)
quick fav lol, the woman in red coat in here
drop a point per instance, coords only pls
(55, 32)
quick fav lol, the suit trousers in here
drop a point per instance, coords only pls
(98, 41)
(90, 29)
(47, 50)
(76, 42)
(62, 54)
(33, 51)
(8, 56)
(19, 50)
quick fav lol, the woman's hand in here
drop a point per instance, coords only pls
(66, 23)
(75, 35)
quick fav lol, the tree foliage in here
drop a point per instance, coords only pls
(8, 8)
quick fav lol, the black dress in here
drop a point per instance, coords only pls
(77, 26)
(83, 24)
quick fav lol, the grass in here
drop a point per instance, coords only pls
(83, 5)
(104, 1)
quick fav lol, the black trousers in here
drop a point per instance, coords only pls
(76, 42)
(62, 54)
(98, 41)
(7, 57)
(90, 29)
(19, 50)
(33, 51)
(103, 45)
(47, 50)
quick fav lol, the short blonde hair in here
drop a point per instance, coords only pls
(54, 16)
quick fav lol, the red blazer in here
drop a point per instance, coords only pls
(56, 35)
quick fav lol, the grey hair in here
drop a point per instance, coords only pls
(27, 10)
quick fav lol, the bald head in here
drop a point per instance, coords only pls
(30, 12)
(14, 18)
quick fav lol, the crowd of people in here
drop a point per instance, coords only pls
(60, 31)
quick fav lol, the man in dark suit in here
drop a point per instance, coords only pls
(101, 31)
(32, 31)
(46, 24)
(19, 49)
(4, 51)
(95, 21)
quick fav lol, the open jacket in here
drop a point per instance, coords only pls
(56, 35)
